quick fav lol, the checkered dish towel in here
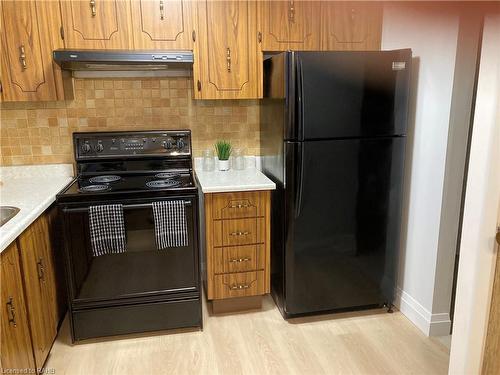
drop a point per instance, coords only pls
(107, 229)
(170, 224)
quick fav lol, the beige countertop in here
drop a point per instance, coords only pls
(32, 189)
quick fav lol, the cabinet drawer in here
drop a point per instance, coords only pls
(238, 232)
(239, 259)
(239, 285)
(238, 205)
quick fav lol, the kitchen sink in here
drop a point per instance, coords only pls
(7, 213)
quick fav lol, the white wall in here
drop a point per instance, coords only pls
(432, 34)
(482, 200)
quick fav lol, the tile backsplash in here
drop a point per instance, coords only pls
(40, 132)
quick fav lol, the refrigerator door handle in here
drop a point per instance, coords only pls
(299, 178)
(300, 101)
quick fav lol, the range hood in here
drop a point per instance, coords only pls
(117, 60)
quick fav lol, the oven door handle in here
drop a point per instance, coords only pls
(125, 207)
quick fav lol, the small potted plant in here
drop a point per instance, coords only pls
(223, 150)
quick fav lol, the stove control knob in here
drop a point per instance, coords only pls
(85, 148)
(168, 144)
(180, 144)
(99, 147)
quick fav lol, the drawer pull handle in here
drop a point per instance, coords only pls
(239, 260)
(40, 269)
(22, 56)
(162, 15)
(92, 8)
(239, 206)
(239, 233)
(228, 59)
(11, 312)
(239, 286)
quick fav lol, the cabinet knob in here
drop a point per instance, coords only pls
(92, 8)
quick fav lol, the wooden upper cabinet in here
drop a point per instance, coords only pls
(291, 25)
(162, 24)
(29, 34)
(228, 64)
(351, 26)
(15, 347)
(97, 24)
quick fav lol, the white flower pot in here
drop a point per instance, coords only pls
(223, 165)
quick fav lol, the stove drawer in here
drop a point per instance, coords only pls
(239, 285)
(239, 259)
(238, 205)
(238, 232)
(144, 317)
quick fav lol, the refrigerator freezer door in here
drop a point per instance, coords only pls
(350, 94)
(342, 222)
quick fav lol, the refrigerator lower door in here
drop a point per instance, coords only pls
(342, 225)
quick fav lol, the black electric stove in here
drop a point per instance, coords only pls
(142, 288)
(122, 165)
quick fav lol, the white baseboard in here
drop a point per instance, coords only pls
(430, 324)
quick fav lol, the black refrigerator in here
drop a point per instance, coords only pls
(333, 127)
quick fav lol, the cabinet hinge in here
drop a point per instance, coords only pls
(193, 34)
(199, 85)
(61, 31)
(259, 37)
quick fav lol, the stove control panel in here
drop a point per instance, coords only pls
(98, 145)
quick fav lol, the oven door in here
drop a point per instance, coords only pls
(140, 273)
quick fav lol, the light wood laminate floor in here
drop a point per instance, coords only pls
(261, 342)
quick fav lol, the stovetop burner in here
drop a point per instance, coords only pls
(94, 188)
(105, 179)
(158, 184)
(168, 175)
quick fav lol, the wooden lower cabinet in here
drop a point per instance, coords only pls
(39, 280)
(31, 296)
(237, 228)
(16, 351)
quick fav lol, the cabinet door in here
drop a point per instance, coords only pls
(290, 25)
(29, 34)
(228, 64)
(38, 273)
(16, 351)
(97, 24)
(352, 26)
(162, 24)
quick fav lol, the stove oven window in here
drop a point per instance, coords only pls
(141, 269)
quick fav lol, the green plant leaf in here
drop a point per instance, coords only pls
(223, 149)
